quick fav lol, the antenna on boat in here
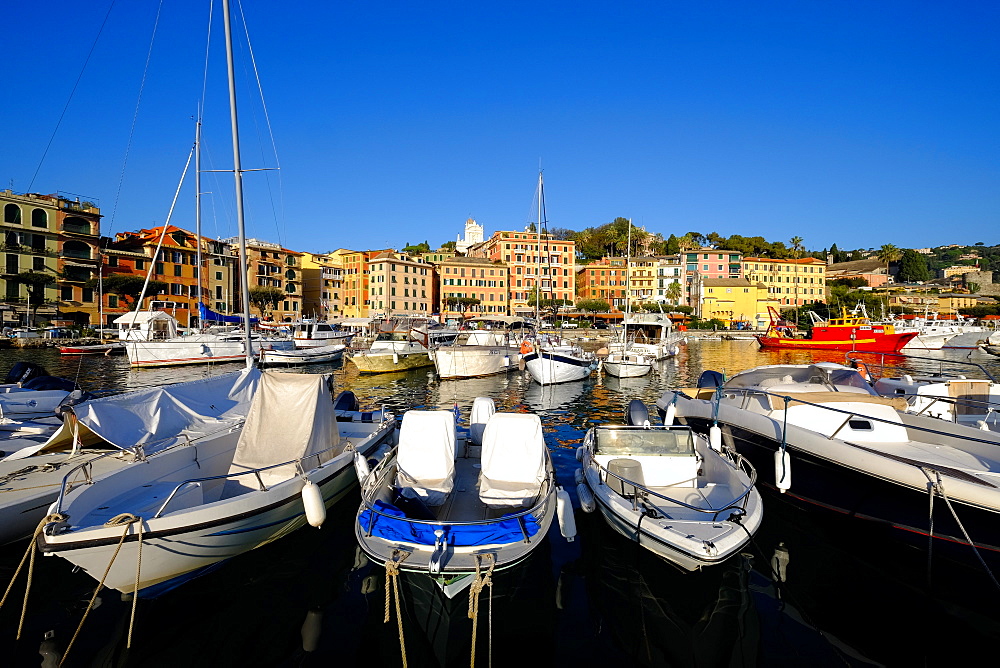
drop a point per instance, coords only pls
(238, 175)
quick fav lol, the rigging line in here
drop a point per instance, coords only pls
(72, 92)
(270, 130)
(135, 115)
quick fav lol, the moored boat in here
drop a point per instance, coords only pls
(311, 355)
(849, 332)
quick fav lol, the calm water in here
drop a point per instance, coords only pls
(846, 598)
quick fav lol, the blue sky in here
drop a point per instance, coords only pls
(854, 123)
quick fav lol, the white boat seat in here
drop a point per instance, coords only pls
(513, 460)
(483, 409)
(425, 456)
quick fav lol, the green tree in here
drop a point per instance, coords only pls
(888, 254)
(448, 245)
(674, 292)
(972, 287)
(417, 249)
(672, 247)
(912, 267)
(265, 299)
(35, 283)
(593, 305)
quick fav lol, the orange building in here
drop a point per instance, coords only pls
(462, 279)
(534, 262)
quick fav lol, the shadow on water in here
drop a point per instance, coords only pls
(843, 597)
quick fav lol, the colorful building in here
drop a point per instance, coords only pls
(709, 263)
(737, 302)
(399, 284)
(793, 282)
(322, 285)
(463, 280)
(271, 266)
(535, 263)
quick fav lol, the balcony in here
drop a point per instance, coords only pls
(28, 250)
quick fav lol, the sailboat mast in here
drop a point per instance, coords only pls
(197, 209)
(538, 253)
(238, 174)
(628, 286)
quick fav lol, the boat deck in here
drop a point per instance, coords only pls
(463, 504)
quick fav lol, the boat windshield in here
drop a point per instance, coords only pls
(641, 441)
(835, 379)
(392, 336)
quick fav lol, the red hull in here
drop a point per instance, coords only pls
(871, 343)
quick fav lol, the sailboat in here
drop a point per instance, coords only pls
(550, 359)
(623, 361)
(152, 339)
(221, 490)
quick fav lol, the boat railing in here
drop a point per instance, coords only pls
(749, 392)
(139, 452)
(881, 366)
(738, 503)
(376, 480)
(299, 463)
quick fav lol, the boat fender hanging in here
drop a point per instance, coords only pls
(312, 500)
(715, 437)
(670, 413)
(782, 470)
(395, 358)
(587, 502)
(361, 467)
(564, 510)
(312, 627)
(580, 453)
(578, 476)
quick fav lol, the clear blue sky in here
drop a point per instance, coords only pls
(856, 123)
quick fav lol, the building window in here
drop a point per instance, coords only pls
(39, 218)
(12, 214)
(177, 270)
(66, 293)
(88, 295)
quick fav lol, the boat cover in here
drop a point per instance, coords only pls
(158, 417)
(425, 455)
(483, 408)
(507, 529)
(513, 460)
(291, 417)
(208, 315)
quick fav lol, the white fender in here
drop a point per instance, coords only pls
(782, 470)
(395, 358)
(578, 476)
(587, 502)
(311, 629)
(580, 453)
(564, 510)
(312, 500)
(361, 466)
(671, 412)
(715, 437)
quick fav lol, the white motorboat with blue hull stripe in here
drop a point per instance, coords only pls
(195, 505)
(447, 506)
(559, 364)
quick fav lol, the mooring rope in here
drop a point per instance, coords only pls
(392, 576)
(126, 520)
(30, 552)
(938, 486)
(477, 586)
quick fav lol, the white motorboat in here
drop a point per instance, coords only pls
(666, 488)
(402, 344)
(314, 334)
(104, 435)
(449, 505)
(971, 398)
(826, 438)
(552, 362)
(151, 340)
(481, 352)
(312, 355)
(223, 494)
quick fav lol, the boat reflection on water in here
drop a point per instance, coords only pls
(542, 398)
(628, 386)
(659, 616)
(516, 615)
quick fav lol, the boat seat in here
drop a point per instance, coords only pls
(425, 456)
(483, 409)
(513, 460)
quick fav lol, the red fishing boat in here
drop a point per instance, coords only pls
(851, 331)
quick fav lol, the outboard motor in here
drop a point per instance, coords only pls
(22, 372)
(637, 414)
(346, 401)
(711, 379)
(49, 383)
(72, 399)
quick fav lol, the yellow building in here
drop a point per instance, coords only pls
(791, 282)
(399, 284)
(735, 301)
(323, 284)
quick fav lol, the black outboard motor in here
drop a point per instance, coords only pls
(49, 383)
(637, 414)
(66, 405)
(24, 371)
(711, 379)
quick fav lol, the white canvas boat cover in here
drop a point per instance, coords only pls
(426, 455)
(291, 417)
(483, 409)
(158, 417)
(513, 460)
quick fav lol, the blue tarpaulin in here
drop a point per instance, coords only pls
(463, 535)
(207, 314)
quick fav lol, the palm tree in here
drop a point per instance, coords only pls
(797, 248)
(674, 292)
(889, 254)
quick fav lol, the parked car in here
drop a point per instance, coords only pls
(600, 325)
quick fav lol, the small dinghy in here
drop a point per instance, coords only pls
(449, 506)
(666, 488)
(314, 355)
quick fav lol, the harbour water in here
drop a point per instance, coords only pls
(807, 591)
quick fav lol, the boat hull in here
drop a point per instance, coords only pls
(474, 361)
(317, 355)
(177, 352)
(552, 368)
(884, 343)
(387, 363)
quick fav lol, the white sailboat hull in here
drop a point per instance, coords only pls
(473, 361)
(549, 368)
(198, 349)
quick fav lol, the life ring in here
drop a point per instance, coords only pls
(526, 347)
(862, 370)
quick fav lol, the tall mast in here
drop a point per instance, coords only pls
(628, 286)
(238, 174)
(538, 251)
(197, 209)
